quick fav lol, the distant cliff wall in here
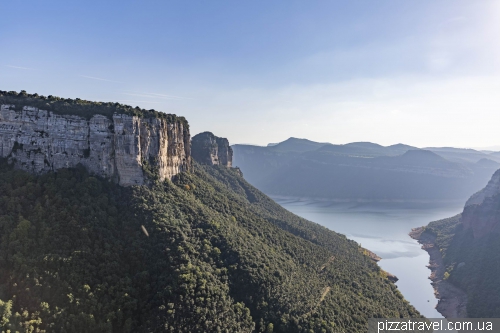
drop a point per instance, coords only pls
(484, 218)
(212, 150)
(490, 190)
(120, 147)
(481, 212)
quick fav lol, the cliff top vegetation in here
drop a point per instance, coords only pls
(82, 108)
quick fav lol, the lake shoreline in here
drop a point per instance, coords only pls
(383, 230)
(361, 200)
(452, 301)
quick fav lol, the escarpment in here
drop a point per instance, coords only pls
(481, 213)
(465, 250)
(491, 189)
(483, 218)
(212, 150)
(127, 148)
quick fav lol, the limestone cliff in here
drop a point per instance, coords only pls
(212, 150)
(122, 147)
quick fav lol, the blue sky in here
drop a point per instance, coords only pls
(424, 73)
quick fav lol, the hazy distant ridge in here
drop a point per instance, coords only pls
(365, 170)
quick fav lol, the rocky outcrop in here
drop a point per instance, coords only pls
(391, 277)
(212, 150)
(490, 190)
(122, 147)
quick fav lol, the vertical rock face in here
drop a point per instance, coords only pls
(483, 218)
(212, 150)
(481, 212)
(225, 152)
(490, 190)
(120, 148)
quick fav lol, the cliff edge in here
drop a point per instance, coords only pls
(127, 148)
(481, 212)
(492, 188)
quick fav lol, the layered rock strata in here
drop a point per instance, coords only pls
(212, 150)
(120, 148)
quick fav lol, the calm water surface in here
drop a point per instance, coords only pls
(383, 228)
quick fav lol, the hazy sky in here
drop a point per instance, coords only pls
(420, 72)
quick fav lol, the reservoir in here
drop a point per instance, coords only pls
(383, 228)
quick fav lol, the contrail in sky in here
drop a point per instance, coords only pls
(98, 78)
(162, 96)
(19, 67)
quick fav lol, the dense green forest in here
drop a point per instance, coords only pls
(82, 108)
(206, 252)
(471, 264)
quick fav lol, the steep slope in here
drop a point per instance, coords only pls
(491, 189)
(470, 248)
(74, 258)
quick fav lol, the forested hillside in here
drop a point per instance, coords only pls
(206, 252)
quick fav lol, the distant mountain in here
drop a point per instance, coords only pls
(489, 148)
(401, 146)
(495, 154)
(297, 145)
(486, 162)
(366, 149)
(462, 154)
(365, 171)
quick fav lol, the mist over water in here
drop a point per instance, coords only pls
(383, 228)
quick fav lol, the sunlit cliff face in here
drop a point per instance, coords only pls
(120, 148)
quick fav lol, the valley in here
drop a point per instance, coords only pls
(383, 229)
(248, 166)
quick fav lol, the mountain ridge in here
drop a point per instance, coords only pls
(363, 171)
